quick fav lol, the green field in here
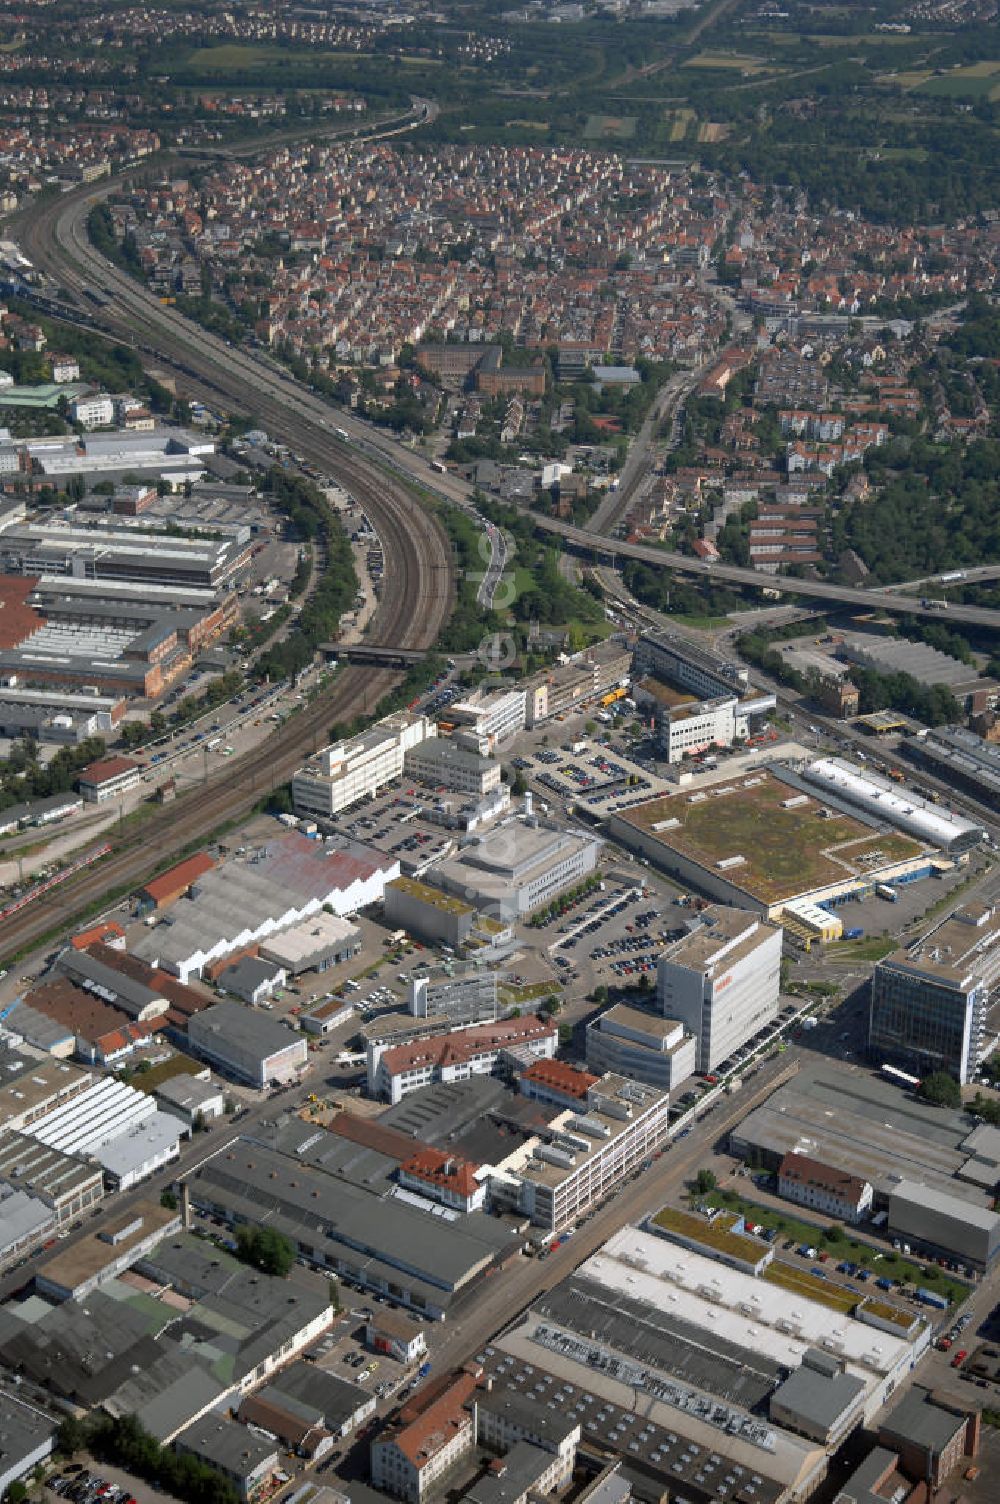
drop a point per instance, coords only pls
(975, 82)
(232, 57)
(609, 128)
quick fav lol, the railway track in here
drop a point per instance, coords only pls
(418, 579)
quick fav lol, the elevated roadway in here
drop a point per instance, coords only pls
(55, 240)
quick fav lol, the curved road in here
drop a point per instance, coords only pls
(415, 604)
(55, 239)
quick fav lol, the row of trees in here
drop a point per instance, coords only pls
(23, 777)
(125, 1443)
(310, 520)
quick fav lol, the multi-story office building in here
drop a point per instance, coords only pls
(342, 774)
(688, 665)
(642, 1046)
(469, 999)
(930, 1004)
(721, 981)
(694, 727)
(587, 1152)
(490, 717)
(441, 763)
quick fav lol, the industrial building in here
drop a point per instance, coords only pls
(29, 1089)
(881, 798)
(897, 655)
(428, 913)
(66, 1183)
(253, 898)
(27, 1438)
(961, 758)
(397, 1246)
(936, 1224)
(642, 1046)
(687, 664)
(24, 1222)
(102, 554)
(763, 839)
(247, 1046)
(931, 1005)
(94, 1259)
(930, 1431)
(317, 944)
(160, 892)
(721, 981)
(443, 764)
(245, 1460)
(124, 638)
(346, 772)
(191, 1099)
(888, 1136)
(307, 1409)
(66, 719)
(518, 867)
(118, 1127)
(707, 1380)
(394, 1072)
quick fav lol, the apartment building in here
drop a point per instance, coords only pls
(409, 1457)
(823, 1188)
(721, 981)
(476, 1051)
(346, 772)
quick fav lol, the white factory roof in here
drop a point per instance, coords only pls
(143, 1142)
(907, 811)
(93, 1119)
(319, 933)
(748, 1310)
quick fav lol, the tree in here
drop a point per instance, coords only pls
(704, 1181)
(168, 1200)
(940, 1089)
(15, 1493)
(266, 1249)
(71, 1436)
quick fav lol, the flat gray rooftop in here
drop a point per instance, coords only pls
(864, 1124)
(663, 1341)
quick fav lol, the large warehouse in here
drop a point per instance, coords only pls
(269, 889)
(242, 1043)
(759, 842)
(883, 800)
(397, 1246)
(711, 1382)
